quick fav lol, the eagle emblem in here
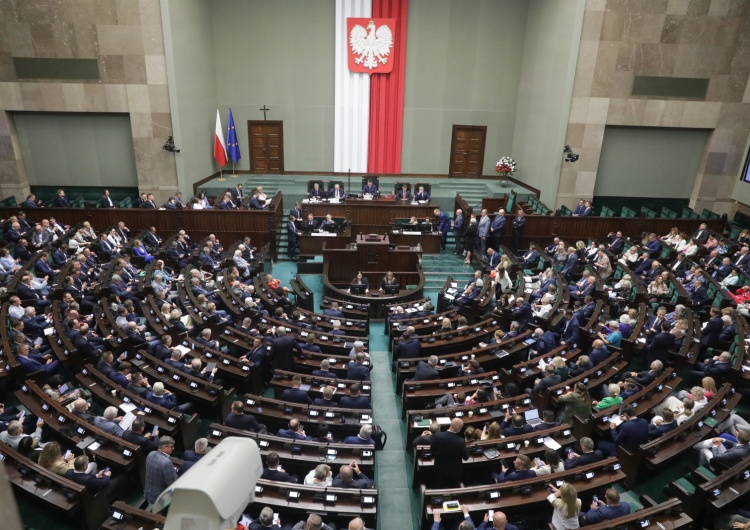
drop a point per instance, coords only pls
(370, 45)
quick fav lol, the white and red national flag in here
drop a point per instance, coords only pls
(220, 149)
(370, 48)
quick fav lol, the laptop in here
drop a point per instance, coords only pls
(532, 417)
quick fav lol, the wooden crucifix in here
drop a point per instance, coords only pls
(264, 109)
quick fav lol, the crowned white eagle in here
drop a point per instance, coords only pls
(371, 44)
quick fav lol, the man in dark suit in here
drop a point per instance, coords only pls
(548, 421)
(421, 195)
(701, 235)
(712, 330)
(409, 346)
(357, 370)
(325, 366)
(274, 471)
(717, 367)
(333, 311)
(570, 264)
(237, 195)
(427, 371)
(641, 378)
(549, 380)
(404, 194)
(570, 329)
(296, 211)
(443, 226)
(497, 227)
(741, 259)
(94, 483)
(679, 266)
(327, 399)
(661, 344)
(546, 341)
(522, 313)
(316, 192)
(369, 188)
(530, 259)
(616, 244)
(724, 452)
(355, 399)
(588, 455)
(106, 201)
(283, 349)
(514, 425)
(292, 238)
(237, 419)
(630, 434)
(662, 425)
(137, 434)
(255, 203)
(699, 295)
(337, 193)
(449, 451)
(295, 394)
(351, 477)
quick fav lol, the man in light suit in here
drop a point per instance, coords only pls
(741, 259)
(483, 230)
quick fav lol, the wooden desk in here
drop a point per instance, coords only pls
(134, 519)
(375, 213)
(430, 243)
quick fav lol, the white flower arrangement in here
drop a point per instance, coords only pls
(506, 165)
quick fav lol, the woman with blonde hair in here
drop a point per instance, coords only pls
(566, 506)
(613, 399)
(492, 432)
(446, 324)
(51, 458)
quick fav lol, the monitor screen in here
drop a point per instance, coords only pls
(391, 289)
(357, 289)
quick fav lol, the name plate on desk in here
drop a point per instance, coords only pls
(411, 233)
(322, 234)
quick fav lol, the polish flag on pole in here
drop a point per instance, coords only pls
(220, 149)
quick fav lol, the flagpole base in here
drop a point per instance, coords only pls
(233, 176)
(221, 179)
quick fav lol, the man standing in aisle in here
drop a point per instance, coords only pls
(160, 473)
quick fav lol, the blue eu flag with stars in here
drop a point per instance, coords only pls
(233, 148)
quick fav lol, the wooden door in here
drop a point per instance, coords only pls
(266, 146)
(467, 150)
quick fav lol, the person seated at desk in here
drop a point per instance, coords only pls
(337, 193)
(296, 394)
(327, 399)
(604, 511)
(309, 224)
(369, 188)
(404, 194)
(389, 283)
(328, 224)
(413, 221)
(256, 203)
(359, 285)
(422, 195)
(316, 192)
(522, 463)
(355, 399)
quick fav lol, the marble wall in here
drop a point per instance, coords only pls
(126, 37)
(622, 39)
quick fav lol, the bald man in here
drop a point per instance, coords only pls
(499, 522)
(449, 449)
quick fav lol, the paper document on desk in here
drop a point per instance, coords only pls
(185, 320)
(127, 421)
(442, 420)
(182, 349)
(127, 407)
(552, 444)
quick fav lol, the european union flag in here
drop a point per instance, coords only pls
(233, 148)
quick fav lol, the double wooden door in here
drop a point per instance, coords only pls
(467, 150)
(266, 146)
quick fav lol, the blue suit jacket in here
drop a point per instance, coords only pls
(631, 434)
(570, 335)
(444, 223)
(359, 402)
